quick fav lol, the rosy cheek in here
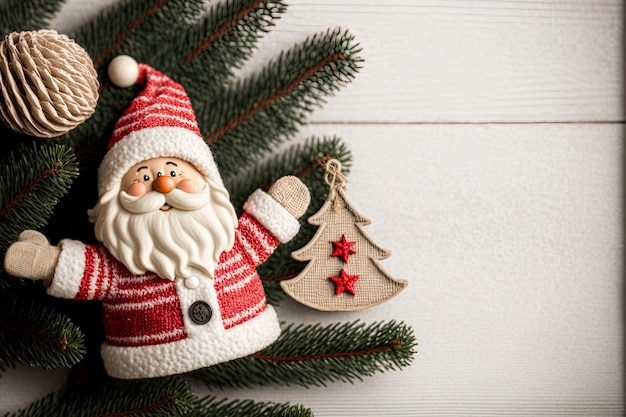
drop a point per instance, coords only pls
(187, 186)
(136, 189)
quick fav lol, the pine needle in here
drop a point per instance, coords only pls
(213, 407)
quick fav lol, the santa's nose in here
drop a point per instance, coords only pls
(163, 184)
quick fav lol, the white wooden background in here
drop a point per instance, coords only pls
(488, 149)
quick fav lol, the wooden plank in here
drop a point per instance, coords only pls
(460, 61)
(479, 61)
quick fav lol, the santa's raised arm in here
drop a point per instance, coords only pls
(176, 273)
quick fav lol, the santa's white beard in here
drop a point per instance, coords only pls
(169, 243)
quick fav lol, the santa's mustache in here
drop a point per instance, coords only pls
(154, 200)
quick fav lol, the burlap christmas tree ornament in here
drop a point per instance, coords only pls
(343, 273)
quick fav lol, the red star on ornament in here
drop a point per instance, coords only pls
(343, 248)
(344, 282)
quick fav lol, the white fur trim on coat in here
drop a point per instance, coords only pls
(69, 268)
(272, 215)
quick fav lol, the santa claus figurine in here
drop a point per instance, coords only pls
(177, 270)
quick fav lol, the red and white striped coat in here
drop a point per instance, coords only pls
(145, 310)
(146, 318)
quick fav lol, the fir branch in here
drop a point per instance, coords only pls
(159, 397)
(221, 42)
(31, 184)
(169, 396)
(316, 355)
(222, 30)
(304, 160)
(121, 38)
(247, 121)
(211, 406)
(18, 15)
(233, 124)
(395, 345)
(28, 188)
(35, 334)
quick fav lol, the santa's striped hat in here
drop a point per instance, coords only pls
(159, 122)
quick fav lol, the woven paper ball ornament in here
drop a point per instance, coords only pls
(48, 84)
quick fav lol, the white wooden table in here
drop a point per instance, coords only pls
(488, 150)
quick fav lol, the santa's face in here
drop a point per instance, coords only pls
(167, 218)
(162, 175)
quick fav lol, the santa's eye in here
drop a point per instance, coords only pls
(159, 174)
(146, 178)
(172, 173)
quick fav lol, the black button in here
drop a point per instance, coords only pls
(200, 312)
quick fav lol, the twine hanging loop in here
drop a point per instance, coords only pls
(333, 176)
(334, 179)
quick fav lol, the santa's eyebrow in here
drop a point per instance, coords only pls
(171, 163)
(140, 168)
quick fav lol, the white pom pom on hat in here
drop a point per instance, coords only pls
(159, 122)
(123, 71)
